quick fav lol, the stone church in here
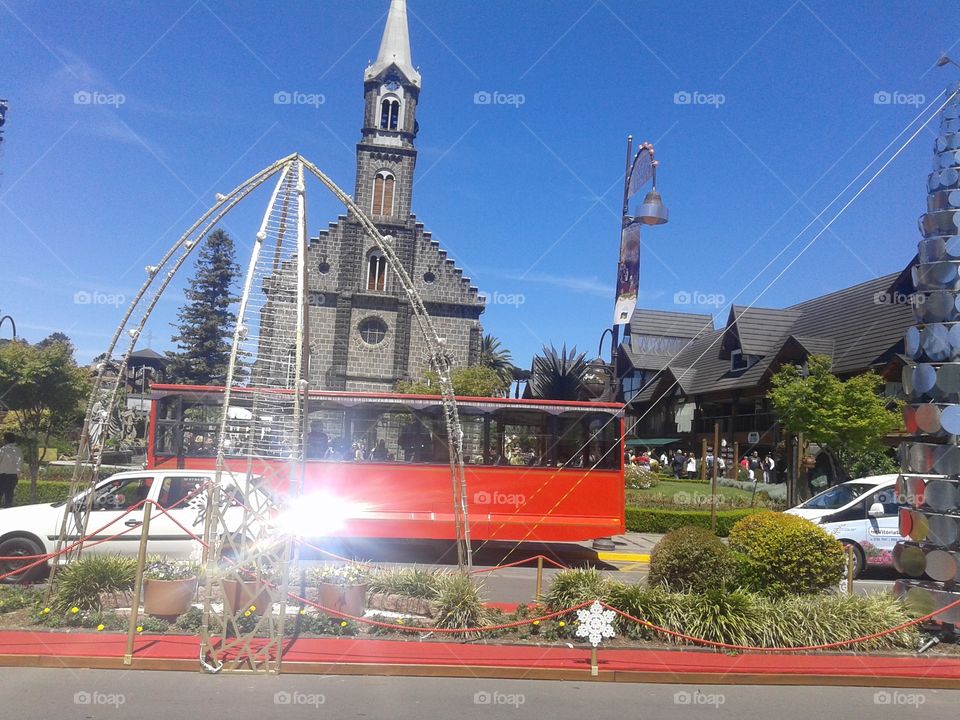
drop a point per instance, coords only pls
(363, 335)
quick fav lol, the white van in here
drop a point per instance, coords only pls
(862, 513)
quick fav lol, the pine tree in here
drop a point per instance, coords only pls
(206, 322)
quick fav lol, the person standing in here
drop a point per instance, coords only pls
(691, 466)
(10, 460)
(768, 466)
(678, 462)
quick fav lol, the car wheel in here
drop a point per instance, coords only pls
(859, 562)
(20, 547)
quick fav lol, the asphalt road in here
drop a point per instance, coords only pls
(28, 693)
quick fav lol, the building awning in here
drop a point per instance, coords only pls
(651, 442)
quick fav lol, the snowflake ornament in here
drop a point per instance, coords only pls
(595, 623)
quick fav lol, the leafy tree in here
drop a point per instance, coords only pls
(206, 322)
(846, 418)
(44, 390)
(558, 375)
(497, 358)
(476, 381)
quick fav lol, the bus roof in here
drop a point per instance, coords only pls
(159, 390)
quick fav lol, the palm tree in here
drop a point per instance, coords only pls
(558, 375)
(497, 359)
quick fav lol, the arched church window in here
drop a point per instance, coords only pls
(376, 271)
(383, 185)
(389, 114)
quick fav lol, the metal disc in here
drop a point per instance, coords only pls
(950, 419)
(942, 530)
(948, 377)
(911, 341)
(919, 526)
(919, 602)
(906, 377)
(916, 487)
(948, 461)
(924, 378)
(910, 420)
(911, 560)
(954, 199)
(941, 495)
(928, 418)
(905, 524)
(935, 306)
(936, 342)
(941, 565)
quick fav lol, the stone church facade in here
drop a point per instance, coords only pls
(363, 335)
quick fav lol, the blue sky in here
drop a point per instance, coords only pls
(789, 102)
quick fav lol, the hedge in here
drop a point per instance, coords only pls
(658, 520)
(47, 492)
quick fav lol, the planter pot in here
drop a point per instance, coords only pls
(168, 598)
(349, 599)
(240, 595)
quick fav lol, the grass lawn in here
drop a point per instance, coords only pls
(690, 495)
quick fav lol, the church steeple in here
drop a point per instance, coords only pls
(386, 156)
(395, 46)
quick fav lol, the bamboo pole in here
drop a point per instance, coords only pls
(138, 584)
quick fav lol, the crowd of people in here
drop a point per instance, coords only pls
(688, 465)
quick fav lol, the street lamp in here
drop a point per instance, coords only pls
(640, 168)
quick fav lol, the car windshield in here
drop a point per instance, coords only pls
(838, 496)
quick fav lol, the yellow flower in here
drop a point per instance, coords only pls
(400, 621)
(536, 622)
(139, 628)
(74, 609)
(100, 627)
(247, 614)
(562, 624)
(253, 608)
(303, 611)
(45, 611)
(343, 623)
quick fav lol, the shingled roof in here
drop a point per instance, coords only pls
(859, 327)
(673, 324)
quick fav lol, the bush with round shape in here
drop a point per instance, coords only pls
(785, 555)
(459, 604)
(691, 558)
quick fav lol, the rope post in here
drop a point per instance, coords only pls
(594, 667)
(849, 549)
(138, 584)
(539, 592)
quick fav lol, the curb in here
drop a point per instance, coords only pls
(624, 557)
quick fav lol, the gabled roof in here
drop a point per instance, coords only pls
(673, 324)
(757, 331)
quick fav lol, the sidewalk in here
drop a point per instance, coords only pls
(630, 547)
(353, 656)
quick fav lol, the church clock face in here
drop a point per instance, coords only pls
(392, 83)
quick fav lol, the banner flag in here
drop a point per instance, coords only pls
(642, 171)
(628, 274)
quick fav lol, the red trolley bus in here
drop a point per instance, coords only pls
(536, 470)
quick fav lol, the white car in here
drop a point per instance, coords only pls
(862, 513)
(34, 529)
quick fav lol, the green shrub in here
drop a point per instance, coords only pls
(785, 554)
(47, 492)
(16, 597)
(652, 603)
(572, 587)
(459, 604)
(736, 617)
(691, 558)
(409, 581)
(657, 520)
(190, 622)
(81, 583)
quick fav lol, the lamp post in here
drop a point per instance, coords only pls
(640, 168)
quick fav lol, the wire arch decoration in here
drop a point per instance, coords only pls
(284, 275)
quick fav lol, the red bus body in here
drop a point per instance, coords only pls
(414, 500)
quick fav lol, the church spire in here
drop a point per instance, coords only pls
(395, 46)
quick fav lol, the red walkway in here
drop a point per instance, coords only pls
(353, 655)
